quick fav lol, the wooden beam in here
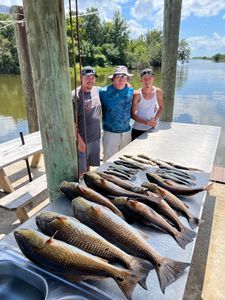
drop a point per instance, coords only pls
(5, 182)
(25, 69)
(47, 40)
(171, 27)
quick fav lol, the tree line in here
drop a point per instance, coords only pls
(102, 44)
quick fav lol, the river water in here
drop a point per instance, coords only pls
(199, 99)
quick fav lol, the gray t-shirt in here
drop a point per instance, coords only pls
(91, 116)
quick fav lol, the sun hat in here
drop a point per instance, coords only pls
(86, 71)
(120, 70)
(147, 71)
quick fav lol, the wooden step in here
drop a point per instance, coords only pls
(218, 174)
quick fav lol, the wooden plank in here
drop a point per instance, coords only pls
(23, 196)
(218, 174)
(13, 151)
(35, 160)
(5, 182)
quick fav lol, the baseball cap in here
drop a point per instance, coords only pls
(86, 71)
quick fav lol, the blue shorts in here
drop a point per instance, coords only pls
(93, 156)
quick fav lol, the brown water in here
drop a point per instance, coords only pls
(199, 99)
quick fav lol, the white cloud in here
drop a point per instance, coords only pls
(209, 45)
(149, 10)
(202, 8)
(136, 29)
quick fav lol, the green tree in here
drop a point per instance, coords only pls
(92, 27)
(184, 51)
(9, 62)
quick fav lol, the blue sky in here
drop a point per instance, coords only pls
(202, 21)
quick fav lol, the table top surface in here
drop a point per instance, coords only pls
(13, 151)
(190, 145)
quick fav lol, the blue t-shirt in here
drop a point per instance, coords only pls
(116, 108)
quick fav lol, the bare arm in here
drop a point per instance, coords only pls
(80, 142)
(160, 100)
(136, 100)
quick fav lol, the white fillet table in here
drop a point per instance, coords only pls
(186, 144)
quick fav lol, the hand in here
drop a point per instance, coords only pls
(152, 122)
(81, 145)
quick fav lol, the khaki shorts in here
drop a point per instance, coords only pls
(114, 142)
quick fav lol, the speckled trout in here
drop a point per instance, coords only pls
(120, 233)
(71, 262)
(72, 231)
(177, 189)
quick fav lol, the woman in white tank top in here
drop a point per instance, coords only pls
(147, 105)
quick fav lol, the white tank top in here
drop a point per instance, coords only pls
(146, 110)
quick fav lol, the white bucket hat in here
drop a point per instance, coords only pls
(120, 70)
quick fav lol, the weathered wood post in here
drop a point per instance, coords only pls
(171, 27)
(46, 33)
(25, 69)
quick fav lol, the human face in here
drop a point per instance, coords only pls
(147, 80)
(119, 81)
(88, 82)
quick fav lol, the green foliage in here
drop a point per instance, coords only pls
(184, 51)
(101, 44)
(8, 54)
(218, 57)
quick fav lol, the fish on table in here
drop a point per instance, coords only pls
(71, 262)
(74, 189)
(148, 216)
(177, 189)
(174, 202)
(120, 233)
(72, 231)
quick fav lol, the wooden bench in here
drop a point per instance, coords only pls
(30, 194)
(13, 151)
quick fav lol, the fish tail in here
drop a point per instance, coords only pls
(182, 239)
(188, 231)
(143, 267)
(194, 222)
(208, 187)
(128, 282)
(169, 271)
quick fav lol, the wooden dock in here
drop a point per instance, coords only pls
(218, 174)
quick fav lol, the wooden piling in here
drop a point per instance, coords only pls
(47, 41)
(25, 68)
(171, 28)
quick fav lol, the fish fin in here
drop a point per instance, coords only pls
(96, 210)
(143, 267)
(128, 283)
(182, 239)
(194, 222)
(168, 271)
(50, 240)
(208, 187)
(188, 231)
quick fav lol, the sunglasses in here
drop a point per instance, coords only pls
(147, 73)
(120, 76)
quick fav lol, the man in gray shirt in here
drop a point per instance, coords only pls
(88, 112)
